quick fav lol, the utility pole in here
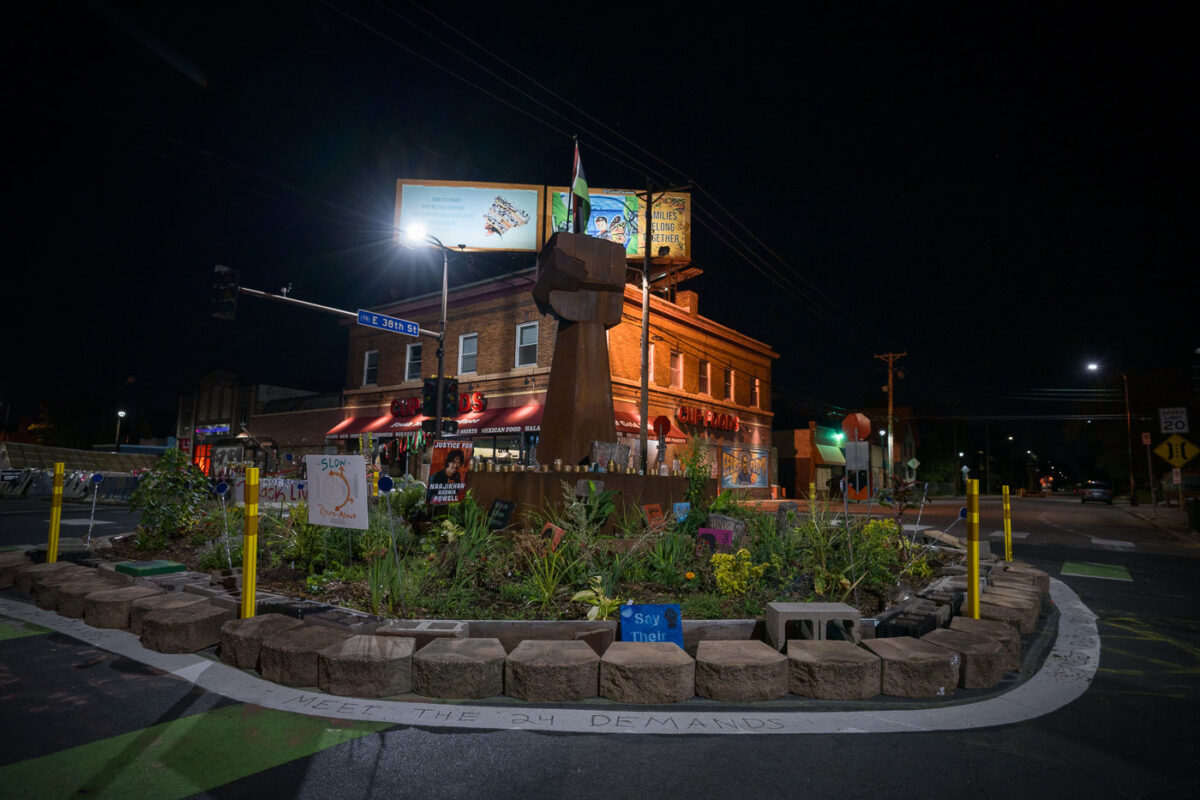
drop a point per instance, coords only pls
(891, 359)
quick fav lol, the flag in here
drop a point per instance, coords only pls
(581, 204)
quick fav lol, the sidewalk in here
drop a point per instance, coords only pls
(1171, 519)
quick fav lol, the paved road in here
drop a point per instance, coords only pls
(78, 719)
(28, 521)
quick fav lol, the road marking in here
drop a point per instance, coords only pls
(1112, 544)
(917, 528)
(1087, 569)
(1065, 675)
(20, 630)
(1014, 534)
(180, 758)
(81, 522)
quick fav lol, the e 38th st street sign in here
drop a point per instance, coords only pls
(372, 319)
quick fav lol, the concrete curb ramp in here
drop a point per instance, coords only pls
(1065, 675)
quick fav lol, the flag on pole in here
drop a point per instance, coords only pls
(581, 204)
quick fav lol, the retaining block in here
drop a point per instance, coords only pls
(183, 629)
(1028, 611)
(290, 657)
(1006, 614)
(139, 608)
(983, 659)
(551, 671)
(242, 639)
(45, 590)
(25, 576)
(9, 563)
(1008, 637)
(110, 608)
(459, 668)
(71, 597)
(740, 671)
(366, 666)
(647, 672)
(424, 631)
(345, 620)
(1019, 570)
(812, 619)
(832, 670)
(913, 668)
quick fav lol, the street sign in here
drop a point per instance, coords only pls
(858, 456)
(1173, 420)
(1177, 476)
(913, 463)
(1146, 438)
(394, 324)
(1176, 450)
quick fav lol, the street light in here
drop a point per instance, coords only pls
(1094, 367)
(117, 438)
(418, 235)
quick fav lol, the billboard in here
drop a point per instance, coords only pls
(619, 215)
(477, 216)
(448, 469)
(744, 468)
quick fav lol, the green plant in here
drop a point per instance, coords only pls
(697, 470)
(468, 536)
(602, 606)
(668, 556)
(170, 496)
(547, 572)
(735, 573)
(302, 544)
(407, 498)
(703, 605)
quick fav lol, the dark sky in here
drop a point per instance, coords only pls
(1001, 192)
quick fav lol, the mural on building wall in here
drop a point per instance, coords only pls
(744, 468)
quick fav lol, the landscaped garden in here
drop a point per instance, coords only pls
(448, 562)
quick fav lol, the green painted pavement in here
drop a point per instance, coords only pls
(1086, 569)
(180, 758)
(15, 629)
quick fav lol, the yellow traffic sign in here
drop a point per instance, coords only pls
(1176, 450)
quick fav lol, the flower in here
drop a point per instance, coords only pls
(690, 575)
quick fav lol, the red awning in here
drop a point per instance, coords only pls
(353, 426)
(627, 426)
(521, 419)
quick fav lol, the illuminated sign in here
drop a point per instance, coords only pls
(743, 467)
(688, 415)
(473, 216)
(619, 215)
(210, 430)
(411, 406)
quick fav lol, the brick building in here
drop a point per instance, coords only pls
(706, 379)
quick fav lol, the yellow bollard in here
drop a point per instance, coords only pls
(250, 543)
(973, 549)
(1007, 527)
(812, 492)
(55, 514)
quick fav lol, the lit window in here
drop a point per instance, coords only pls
(650, 366)
(754, 392)
(729, 385)
(676, 370)
(370, 367)
(703, 387)
(412, 363)
(468, 347)
(527, 345)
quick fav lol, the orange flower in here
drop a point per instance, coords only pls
(689, 575)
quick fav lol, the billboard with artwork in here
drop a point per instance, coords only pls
(744, 467)
(619, 215)
(475, 216)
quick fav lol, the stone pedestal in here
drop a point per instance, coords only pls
(549, 671)
(647, 672)
(740, 672)
(831, 670)
(459, 668)
(366, 666)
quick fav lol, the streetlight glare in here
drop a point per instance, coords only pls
(1093, 366)
(416, 232)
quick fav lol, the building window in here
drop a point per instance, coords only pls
(704, 370)
(527, 345)
(650, 366)
(468, 348)
(370, 367)
(412, 363)
(676, 370)
(729, 385)
(754, 392)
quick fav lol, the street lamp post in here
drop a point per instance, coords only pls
(117, 438)
(418, 234)
(1093, 367)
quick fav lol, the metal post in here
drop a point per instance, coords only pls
(1007, 526)
(55, 513)
(1150, 478)
(973, 549)
(1129, 441)
(644, 404)
(441, 347)
(250, 543)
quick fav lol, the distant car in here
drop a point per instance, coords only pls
(1097, 491)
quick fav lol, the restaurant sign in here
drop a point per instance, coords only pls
(411, 406)
(717, 420)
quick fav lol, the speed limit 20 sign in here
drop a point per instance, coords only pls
(1173, 420)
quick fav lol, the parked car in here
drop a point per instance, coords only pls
(1097, 491)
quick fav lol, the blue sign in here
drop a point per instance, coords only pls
(221, 488)
(385, 483)
(652, 623)
(393, 324)
(97, 478)
(681, 510)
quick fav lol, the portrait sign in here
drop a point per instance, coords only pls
(337, 491)
(448, 472)
(619, 215)
(744, 467)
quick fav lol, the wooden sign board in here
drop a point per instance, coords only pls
(553, 534)
(715, 539)
(500, 514)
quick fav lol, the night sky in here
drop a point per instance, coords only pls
(1001, 192)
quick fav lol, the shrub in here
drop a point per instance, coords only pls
(170, 496)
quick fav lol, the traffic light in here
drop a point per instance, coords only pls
(450, 398)
(225, 291)
(429, 397)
